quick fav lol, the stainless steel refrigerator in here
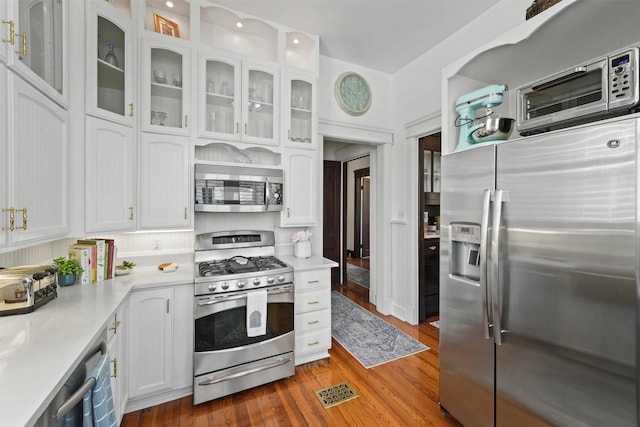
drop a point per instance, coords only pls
(539, 280)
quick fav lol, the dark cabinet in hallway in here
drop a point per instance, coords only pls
(431, 276)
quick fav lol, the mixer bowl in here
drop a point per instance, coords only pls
(496, 128)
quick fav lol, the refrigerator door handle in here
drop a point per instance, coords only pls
(487, 324)
(494, 281)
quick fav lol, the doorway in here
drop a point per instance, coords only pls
(428, 226)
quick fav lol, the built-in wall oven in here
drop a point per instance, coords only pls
(239, 286)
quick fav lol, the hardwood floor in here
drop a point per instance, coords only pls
(399, 393)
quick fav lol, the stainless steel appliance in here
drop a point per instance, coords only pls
(222, 188)
(230, 267)
(539, 277)
(603, 87)
(25, 288)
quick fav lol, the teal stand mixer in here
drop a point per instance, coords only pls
(484, 129)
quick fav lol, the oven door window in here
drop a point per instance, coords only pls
(228, 329)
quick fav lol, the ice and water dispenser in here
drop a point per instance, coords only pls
(465, 250)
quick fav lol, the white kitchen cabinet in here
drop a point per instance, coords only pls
(151, 342)
(160, 345)
(36, 159)
(165, 182)
(109, 63)
(166, 85)
(5, 175)
(110, 179)
(301, 120)
(37, 41)
(117, 350)
(239, 100)
(300, 188)
(312, 314)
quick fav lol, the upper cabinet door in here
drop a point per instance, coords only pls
(35, 43)
(300, 112)
(109, 72)
(165, 86)
(219, 105)
(260, 95)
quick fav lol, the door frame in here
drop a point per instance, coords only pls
(358, 174)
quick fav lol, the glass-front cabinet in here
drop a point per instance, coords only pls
(260, 89)
(239, 100)
(300, 117)
(34, 41)
(431, 171)
(166, 87)
(109, 78)
(219, 101)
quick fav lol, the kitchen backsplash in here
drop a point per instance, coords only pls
(130, 245)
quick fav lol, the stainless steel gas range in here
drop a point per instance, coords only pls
(243, 314)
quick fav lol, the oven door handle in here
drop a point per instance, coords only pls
(231, 298)
(247, 372)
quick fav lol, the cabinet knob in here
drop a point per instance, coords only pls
(246, 129)
(24, 219)
(432, 248)
(130, 213)
(131, 109)
(237, 127)
(115, 368)
(186, 120)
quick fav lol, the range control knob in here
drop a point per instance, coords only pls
(225, 285)
(241, 284)
(281, 278)
(256, 281)
(212, 287)
(270, 279)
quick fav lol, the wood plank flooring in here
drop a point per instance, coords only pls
(399, 393)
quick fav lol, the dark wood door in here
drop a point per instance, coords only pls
(331, 216)
(366, 247)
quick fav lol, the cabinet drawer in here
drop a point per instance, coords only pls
(319, 319)
(312, 301)
(312, 279)
(318, 341)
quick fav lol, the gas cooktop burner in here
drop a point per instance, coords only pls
(238, 264)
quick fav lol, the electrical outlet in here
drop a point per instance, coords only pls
(156, 244)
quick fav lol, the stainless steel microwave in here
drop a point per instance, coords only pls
(222, 188)
(600, 88)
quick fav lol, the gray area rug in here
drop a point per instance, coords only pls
(358, 274)
(367, 337)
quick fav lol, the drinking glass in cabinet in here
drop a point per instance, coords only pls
(110, 57)
(159, 76)
(177, 80)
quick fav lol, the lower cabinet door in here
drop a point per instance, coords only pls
(151, 341)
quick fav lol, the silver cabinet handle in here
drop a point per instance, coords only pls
(484, 290)
(495, 265)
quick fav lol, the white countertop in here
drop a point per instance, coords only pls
(39, 350)
(315, 261)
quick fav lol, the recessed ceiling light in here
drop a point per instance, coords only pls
(296, 41)
(169, 4)
(239, 24)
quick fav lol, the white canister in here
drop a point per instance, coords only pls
(303, 249)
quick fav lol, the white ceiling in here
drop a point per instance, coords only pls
(383, 35)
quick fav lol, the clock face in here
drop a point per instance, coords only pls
(352, 93)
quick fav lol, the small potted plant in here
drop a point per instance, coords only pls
(68, 270)
(125, 268)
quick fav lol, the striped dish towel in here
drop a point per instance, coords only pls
(97, 404)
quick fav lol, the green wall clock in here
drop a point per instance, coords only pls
(352, 93)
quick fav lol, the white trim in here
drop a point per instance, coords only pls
(355, 133)
(424, 125)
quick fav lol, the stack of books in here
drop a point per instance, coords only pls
(97, 258)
